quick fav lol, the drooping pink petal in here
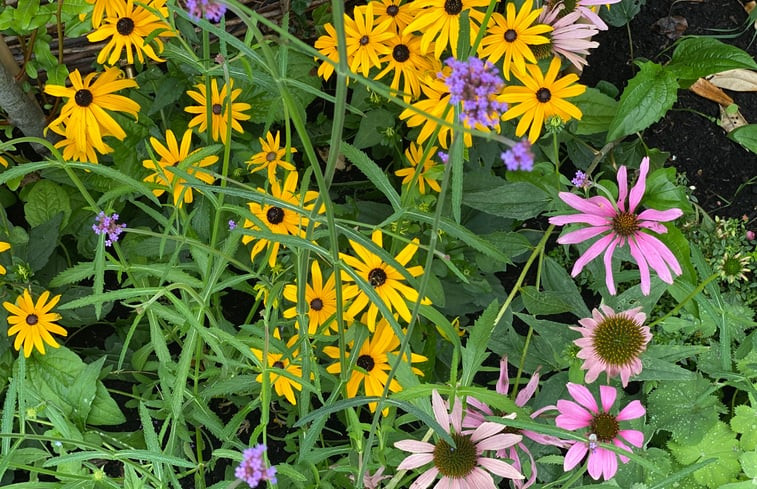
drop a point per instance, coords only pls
(498, 442)
(414, 446)
(582, 395)
(583, 234)
(591, 205)
(622, 445)
(528, 391)
(634, 437)
(503, 383)
(415, 460)
(609, 464)
(664, 251)
(575, 454)
(479, 478)
(654, 259)
(659, 216)
(633, 410)
(656, 227)
(609, 278)
(425, 479)
(596, 462)
(485, 430)
(440, 410)
(593, 252)
(572, 416)
(643, 267)
(622, 187)
(500, 468)
(607, 396)
(637, 192)
(456, 417)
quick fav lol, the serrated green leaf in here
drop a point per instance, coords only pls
(544, 302)
(42, 241)
(745, 423)
(517, 200)
(695, 57)
(745, 136)
(368, 133)
(374, 173)
(687, 409)
(718, 442)
(646, 98)
(44, 201)
(748, 462)
(598, 110)
(474, 353)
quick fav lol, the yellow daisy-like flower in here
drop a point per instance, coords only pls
(542, 96)
(174, 155)
(414, 155)
(386, 281)
(102, 8)
(284, 386)
(512, 35)
(320, 297)
(127, 30)
(373, 364)
(439, 21)
(326, 45)
(3, 248)
(365, 39)
(408, 64)
(3, 162)
(399, 14)
(71, 151)
(279, 220)
(271, 157)
(83, 118)
(218, 112)
(33, 323)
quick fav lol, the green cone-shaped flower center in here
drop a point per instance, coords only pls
(605, 426)
(455, 462)
(618, 340)
(625, 224)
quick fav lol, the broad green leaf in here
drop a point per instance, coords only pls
(685, 408)
(663, 193)
(518, 200)
(556, 279)
(375, 174)
(44, 201)
(475, 351)
(622, 12)
(718, 442)
(544, 302)
(745, 136)
(749, 464)
(646, 98)
(695, 57)
(745, 422)
(369, 131)
(598, 110)
(43, 239)
(656, 369)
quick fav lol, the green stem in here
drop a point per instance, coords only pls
(685, 300)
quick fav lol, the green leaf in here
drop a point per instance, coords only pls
(375, 174)
(368, 133)
(518, 200)
(695, 57)
(544, 302)
(718, 442)
(748, 462)
(685, 408)
(745, 422)
(45, 200)
(656, 369)
(621, 13)
(474, 353)
(42, 241)
(598, 110)
(663, 193)
(556, 279)
(646, 98)
(745, 136)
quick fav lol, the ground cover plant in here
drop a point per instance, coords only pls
(377, 244)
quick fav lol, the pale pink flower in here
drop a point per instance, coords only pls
(585, 7)
(619, 225)
(612, 342)
(465, 466)
(603, 427)
(569, 38)
(477, 410)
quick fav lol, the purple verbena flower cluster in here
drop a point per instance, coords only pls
(232, 224)
(519, 157)
(105, 224)
(253, 469)
(210, 9)
(476, 84)
(581, 180)
(443, 156)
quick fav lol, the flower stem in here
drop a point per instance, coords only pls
(685, 300)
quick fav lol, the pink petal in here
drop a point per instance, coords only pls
(664, 251)
(500, 468)
(596, 462)
(524, 395)
(622, 187)
(440, 410)
(456, 417)
(415, 460)
(593, 252)
(634, 437)
(503, 383)
(609, 279)
(593, 18)
(425, 479)
(591, 219)
(498, 442)
(660, 216)
(656, 227)
(607, 395)
(581, 235)
(414, 446)
(622, 445)
(582, 395)
(485, 430)
(654, 259)
(586, 206)
(609, 464)
(575, 454)
(572, 416)
(637, 192)
(638, 256)
(479, 478)
(633, 410)
(545, 439)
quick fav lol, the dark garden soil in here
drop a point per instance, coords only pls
(719, 168)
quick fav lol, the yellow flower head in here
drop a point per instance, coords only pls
(365, 39)
(174, 155)
(414, 154)
(127, 30)
(3, 162)
(326, 45)
(542, 96)
(3, 248)
(32, 323)
(512, 35)
(83, 118)
(386, 280)
(282, 385)
(408, 63)
(373, 364)
(439, 21)
(271, 157)
(222, 109)
(102, 8)
(280, 220)
(399, 14)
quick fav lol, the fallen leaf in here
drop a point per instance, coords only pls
(671, 26)
(739, 80)
(749, 6)
(324, 153)
(705, 89)
(731, 121)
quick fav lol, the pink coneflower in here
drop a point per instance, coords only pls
(569, 38)
(463, 466)
(603, 427)
(612, 343)
(620, 224)
(585, 8)
(477, 410)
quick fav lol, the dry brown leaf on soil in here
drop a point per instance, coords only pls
(731, 121)
(749, 6)
(739, 80)
(672, 26)
(705, 89)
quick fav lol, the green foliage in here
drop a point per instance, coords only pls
(695, 57)
(687, 409)
(719, 442)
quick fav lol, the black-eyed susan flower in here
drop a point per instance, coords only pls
(129, 28)
(84, 118)
(543, 96)
(407, 63)
(221, 103)
(386, 280)
(372, 364)
(365, 39)
(174, 155)
(32, 323)
(414, 154)
(399, 14)
(326, 45)
(511, 36)
(284, 386)
(3, 248)
(271, 157)
(280, 220)
(101, 9)
(439, 21)
(320, 297)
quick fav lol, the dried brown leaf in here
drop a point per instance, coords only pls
(739, 80)
(729, 122)
(672, 26)
(705, 89)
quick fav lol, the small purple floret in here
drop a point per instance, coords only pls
(519, 157)
(581, 180)
(476, 84)
(210, 9)
(232, 224)
(105, 224)
(443, 156)
(253, 468)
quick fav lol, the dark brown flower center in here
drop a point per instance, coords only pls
(392, 10)
(217, 109)
(83, 97)
(543, 95)
(453, 7)
(401, 53)
(275, 215)
(511, 35)
(625, 224)
(618, 340)
(377, 277)
(125, 26)
(270, 156)
(366, 362)
(457, 462)
(32, 319)
(316, 304)
(278, 364)
(605, 426)
(364, 40)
